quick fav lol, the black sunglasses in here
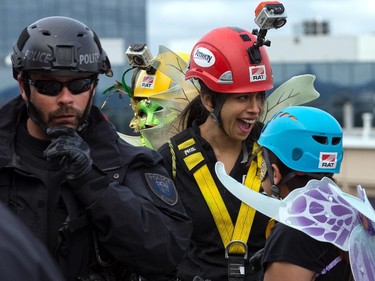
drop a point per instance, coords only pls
(53, 88)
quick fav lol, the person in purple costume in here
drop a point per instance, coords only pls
(300, 144)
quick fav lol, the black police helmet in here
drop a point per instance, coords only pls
(61, 45)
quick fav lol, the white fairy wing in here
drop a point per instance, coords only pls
(295, 91)
(262, 203)
(320, 209)
(170, 64)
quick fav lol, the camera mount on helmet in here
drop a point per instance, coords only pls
(269, 14)
(139, 56)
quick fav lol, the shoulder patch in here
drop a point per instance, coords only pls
(163, 187)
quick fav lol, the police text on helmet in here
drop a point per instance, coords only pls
(89, 58)
(37, 56)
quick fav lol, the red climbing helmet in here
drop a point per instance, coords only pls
(222, 61)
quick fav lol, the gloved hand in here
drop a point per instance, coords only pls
(71, 150)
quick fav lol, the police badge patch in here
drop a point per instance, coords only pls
(162, 187)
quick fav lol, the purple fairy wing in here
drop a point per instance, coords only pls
(366, 210)
(323, 211)
(319, 210)
(362, 254)
(362, 241)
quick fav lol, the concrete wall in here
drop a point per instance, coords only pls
(358, 168)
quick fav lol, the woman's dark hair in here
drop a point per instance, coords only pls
(195, 111)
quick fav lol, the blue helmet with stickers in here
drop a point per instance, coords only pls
(61, 45)
(305, 139)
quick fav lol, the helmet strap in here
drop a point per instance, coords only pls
(215, 113)
(31, 110)
(83, 124)
(275, 189)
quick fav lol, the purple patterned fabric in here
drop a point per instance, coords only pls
(320, 212)
(323, 211)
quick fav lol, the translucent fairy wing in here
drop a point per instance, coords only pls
(174, 100)
(262, 203)
(183, 91)
(362, 254)
(158, 135)
(134, 140)
(170, 64)
(177, 97)
(295, 91)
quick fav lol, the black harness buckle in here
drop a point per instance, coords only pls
(236, 262)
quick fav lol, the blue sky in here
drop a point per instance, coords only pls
(178, 24)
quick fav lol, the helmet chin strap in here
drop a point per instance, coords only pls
(83, 124)
(275, 188)
(215, 113)
(31, 110)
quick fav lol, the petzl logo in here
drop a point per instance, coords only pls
(257, 73)
(327, 160)
(189, 150)
(148, 81)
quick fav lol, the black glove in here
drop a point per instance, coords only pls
(71, 150)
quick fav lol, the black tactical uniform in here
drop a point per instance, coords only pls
(127, 209)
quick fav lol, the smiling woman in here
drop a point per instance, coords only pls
(221, 124)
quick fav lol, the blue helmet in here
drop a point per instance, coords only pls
(305, 139)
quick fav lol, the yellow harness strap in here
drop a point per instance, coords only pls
(228, 231)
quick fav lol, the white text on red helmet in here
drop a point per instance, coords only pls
(203, 57)
(258, 73)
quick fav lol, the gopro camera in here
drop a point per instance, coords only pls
(270, 14)
(139, 55)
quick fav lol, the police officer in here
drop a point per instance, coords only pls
(104, 208)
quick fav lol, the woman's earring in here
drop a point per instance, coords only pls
(214, 116)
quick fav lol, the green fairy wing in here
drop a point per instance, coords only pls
(295, 91)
